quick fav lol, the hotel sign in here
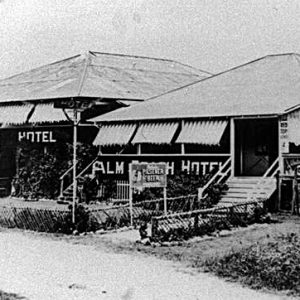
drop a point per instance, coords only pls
(117, 166)
(78, 104)
(37, 136)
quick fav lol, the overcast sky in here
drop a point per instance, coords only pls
(213, 35)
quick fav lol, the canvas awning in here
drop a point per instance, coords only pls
(155, 133)
(15, 114)
(202, 132)
(46, 113)
(114, 135)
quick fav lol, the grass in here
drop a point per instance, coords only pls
(274, 265)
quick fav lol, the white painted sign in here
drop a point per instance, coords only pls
(36, 136)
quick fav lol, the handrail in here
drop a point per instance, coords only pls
(220, 172)
(266, 174)
(66, 172)
(78, 175)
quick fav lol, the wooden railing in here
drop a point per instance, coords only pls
(62, 187)
(221, 176)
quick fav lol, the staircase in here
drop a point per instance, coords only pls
(242, 189)
(66, 192)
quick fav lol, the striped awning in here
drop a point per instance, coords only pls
(14, 114)
(202, 132)
(155, 133)
(114, 134)
(46, 113)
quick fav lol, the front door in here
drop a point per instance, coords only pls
(256, 146)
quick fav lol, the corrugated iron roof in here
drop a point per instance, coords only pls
(114, 135)
(103, 75)
(269, 85)
(15, 114)
(46, 113)
(202, 132)
(155, 133)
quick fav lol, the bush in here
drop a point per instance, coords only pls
(83, 221)
(39, 171)
(275, 265)
(179, 184)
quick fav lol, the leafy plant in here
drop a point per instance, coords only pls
(83, 221)
(39, 168)
(179, 184)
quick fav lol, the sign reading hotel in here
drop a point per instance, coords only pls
(148, 175)
(118, 167)
(37, 136)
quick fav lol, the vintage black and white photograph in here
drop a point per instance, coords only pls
(149, 149)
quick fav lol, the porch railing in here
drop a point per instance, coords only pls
(62, 177)
(220, 177)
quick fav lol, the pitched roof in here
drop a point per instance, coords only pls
(269, 85)
(99, 75)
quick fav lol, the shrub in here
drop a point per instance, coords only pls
(39, 171)
(83, 221)
(275, 265)
(179, 184)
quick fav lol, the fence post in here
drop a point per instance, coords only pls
(200, 194)
(191, 202)
(130, 206)
(196, 223)
(231, 214)
(154, 225)
(165, 201)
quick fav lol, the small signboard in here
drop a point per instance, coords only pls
(79, 104)
(143, 175)
(284, 134)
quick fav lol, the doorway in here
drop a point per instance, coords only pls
(256, 145)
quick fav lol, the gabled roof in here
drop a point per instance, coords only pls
(269, 85)
(99, 75)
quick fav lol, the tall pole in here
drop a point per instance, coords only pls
(130, 195)
(74, 164)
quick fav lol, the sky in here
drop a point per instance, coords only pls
(212, 35)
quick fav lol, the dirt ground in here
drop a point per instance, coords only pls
(112, 266)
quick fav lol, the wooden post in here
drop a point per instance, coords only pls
(191, 203)
(182, 149)
(154, 225)
(131, 206)
(295, 191)
(279, 183)
(130, 195)
(165, 201)
(74, 164)
(196, 222)
(232, 145)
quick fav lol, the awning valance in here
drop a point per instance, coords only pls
(155, 133)
(114, 135)
(15, 114)
(202, 132)
(46, 113)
